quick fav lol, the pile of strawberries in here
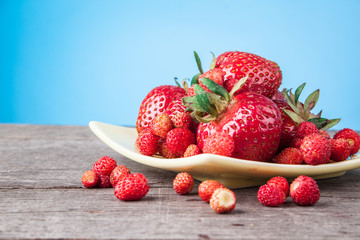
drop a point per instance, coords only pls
(236, 110)
(106, 174)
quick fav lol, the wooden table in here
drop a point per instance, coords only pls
(41, 196)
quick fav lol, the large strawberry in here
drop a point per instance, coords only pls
(253, 120)
(156, 102)
(264, 75)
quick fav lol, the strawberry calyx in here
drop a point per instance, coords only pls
(207, 106)
(301, 112)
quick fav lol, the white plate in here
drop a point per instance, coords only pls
(232, 172)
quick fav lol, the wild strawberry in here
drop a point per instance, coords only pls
(132, 187)
(161, 125)
(340, 149)
(281, 183)
(147, 142)
(324, 133)
(296, 143)
(90, 179)
(192, 150)
(104, 166)
(104, 181)
(155, 103)
(306, 128)
(178, 139)
(183, 183)
(207, 188)
(304, 191)
(289, 156)
(315, 149)
(164, 151)
(223, 200)
(216, 74)
(178, 115)
(270, 195)
(220, 144)
(352, 137)
(190, 91)
(118, 173)
(264, 75)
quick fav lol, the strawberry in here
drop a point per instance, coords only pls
(216, 74)
(118, 173)
(147, 142)
(190, 91)
(315, 149)
(104, 181)
(252, 120)
(183, 183)
(306, 128)
(132, 187)
(104, 166)
(270, 195)
(324, 133)
(155, 103)
(304, 191)
(192, 150)
(90, 179)
(178, 115)
(264, 75)
(281, 183)
(207, 188)
(289, 156)
(161, 125)
(178, 139)
(352, 137)
(164, 151)
(220, 144)
(340, 149)
(223, 200)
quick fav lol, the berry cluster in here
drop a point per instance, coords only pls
(106, 174)
(315, 147)
(235, 109)
(303, 190)
(221, 199)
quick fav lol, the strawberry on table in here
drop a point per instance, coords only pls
(104, 166)
(118, 173)
(90, 179)
(183, 183)
(132, 187)
(223, 200)
(281, 183)
(304, 191)
(207, 188)
(270, 195)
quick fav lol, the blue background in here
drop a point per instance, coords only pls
(69, 62)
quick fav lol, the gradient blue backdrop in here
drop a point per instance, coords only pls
(69, 62)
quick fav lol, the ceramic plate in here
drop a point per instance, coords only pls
(232, 172)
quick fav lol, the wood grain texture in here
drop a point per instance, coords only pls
(41, 196)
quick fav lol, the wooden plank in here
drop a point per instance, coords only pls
(41, 196)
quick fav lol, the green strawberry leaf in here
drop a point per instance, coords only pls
(215, 88)
(290, 102)
(311, 101)
(198, 62)
(192, 104)
(319, 122)
(238, 85)
(213, 62)
(198, 89)
(298, 91)
(295, 117)
(330, 123)
(204, 102)
(185, 84)
(176, 81)
(194, 80)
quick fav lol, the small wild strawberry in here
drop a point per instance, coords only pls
(118, 173)
(207, 188)
(304, 191)
(352, 137)
(90, 179)
(340, 149)
(192, 150)
(161, 125)
(147, 142)
(270, 195)
(132, 187)
(288, 156)
(104, 165)
(223, 200)
(315, 149)
(178, 139)
(183, 183)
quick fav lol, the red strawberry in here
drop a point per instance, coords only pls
(90, 179)
(304, 191)
(289, 156)
(207, 188)
(183, 183)
(177, 114)
(132, 187)
(104, 181)
(220, 144)
(192, 150)
(147, 142)
(352, 137)
(281, 183)
(178, 139)
(324, 133)
(306, 128)
(254, 122)
(104, 166)
(164, 151)
(223, 200)
(161, 125)
(340, 149)
(315, 149)
(155, 103)
(118, 173)
(190, 91)
(216, 74)
(270, 195)
(264, 75)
